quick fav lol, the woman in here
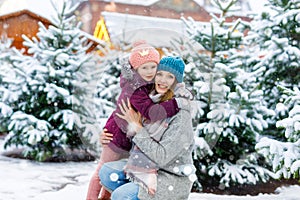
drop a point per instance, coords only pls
(172, 153)
(137, 73)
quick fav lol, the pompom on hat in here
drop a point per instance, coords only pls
(174, 65)
(143, 53)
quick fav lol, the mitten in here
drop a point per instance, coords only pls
(181, 91)
(183, 103)
(126, 69)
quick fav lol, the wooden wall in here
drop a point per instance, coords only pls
(22, 22)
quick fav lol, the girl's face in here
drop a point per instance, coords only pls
(147, 71)
(164, 81)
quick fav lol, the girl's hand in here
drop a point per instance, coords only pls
(105, 137)
(133, 118)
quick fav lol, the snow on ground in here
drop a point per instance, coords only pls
(29, 180)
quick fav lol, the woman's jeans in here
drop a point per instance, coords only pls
(114, 179)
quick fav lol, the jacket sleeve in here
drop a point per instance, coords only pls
(178, 137)
(141, 101)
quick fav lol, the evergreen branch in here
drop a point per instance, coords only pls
(209, 69)
(212, 43)
(210, 89)
(229, 5)
(286, 90)
(218, 20)
(255, 88)
(234, 27)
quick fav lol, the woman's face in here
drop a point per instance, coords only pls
(147, 71)
(163, 81)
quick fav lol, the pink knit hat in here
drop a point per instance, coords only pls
(143, 53)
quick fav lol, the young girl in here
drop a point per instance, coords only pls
(143, 62)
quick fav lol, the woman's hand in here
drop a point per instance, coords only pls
(105, 137)
(181, 91)
(133, 118)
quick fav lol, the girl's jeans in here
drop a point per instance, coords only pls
(107, 155)
(114, 179)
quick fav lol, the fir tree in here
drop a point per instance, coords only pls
(56, 109)
(5, 72)
(231, 109)
(284, 156)
(275, 37)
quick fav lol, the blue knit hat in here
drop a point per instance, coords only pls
(174, 65)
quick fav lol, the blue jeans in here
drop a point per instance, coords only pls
(114, 179)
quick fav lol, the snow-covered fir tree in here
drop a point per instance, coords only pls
(231, 109)
(276, 33)
(284, 155)
(5, 70)
(55, 110)
(275, 38)
(108, 87)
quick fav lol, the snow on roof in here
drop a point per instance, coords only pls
(159, 32)
(42, 8)
(244, 8)
(142, 2)
(199, 2)
(258, 7)
(134, 2)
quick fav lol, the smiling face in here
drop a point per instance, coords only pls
(147, 71)
(164, 81)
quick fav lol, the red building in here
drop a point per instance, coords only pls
(120, 18)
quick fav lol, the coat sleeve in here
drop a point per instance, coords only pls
(177, 138)
(141, 101)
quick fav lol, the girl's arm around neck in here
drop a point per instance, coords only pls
(141, 101)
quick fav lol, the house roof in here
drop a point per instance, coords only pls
(159, 32)
(141, 2)
(18, 13)
(136, 2)
(133, 2)
(41, 8)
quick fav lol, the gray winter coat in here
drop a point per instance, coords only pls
(173, 153)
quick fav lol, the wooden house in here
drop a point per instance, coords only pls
(21, 17)
(16, 24)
